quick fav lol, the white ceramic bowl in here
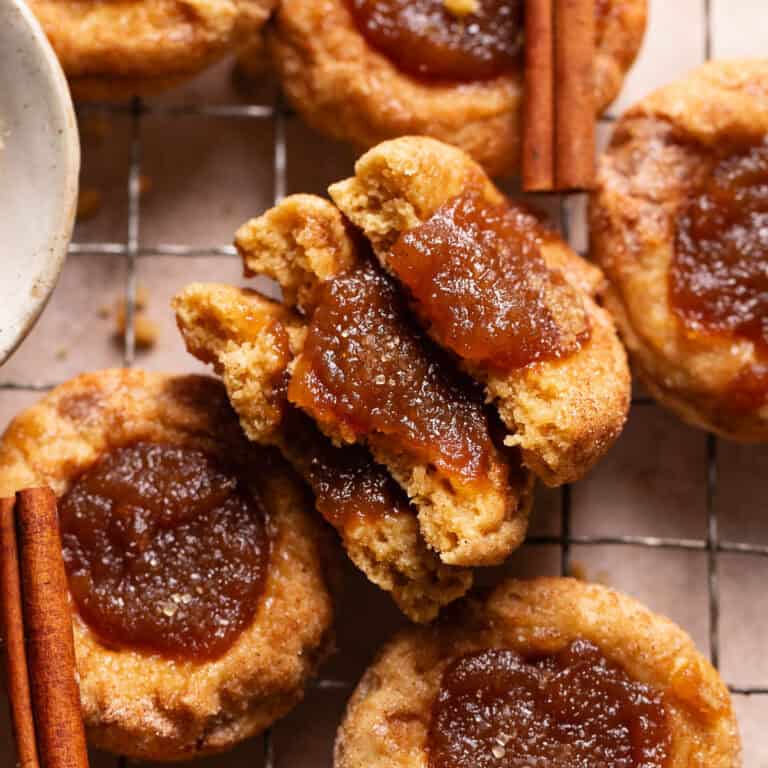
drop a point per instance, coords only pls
(39, 164)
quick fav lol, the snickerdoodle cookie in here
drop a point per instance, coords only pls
(196, 571)
(120, 48)
(550, 672)
(506, 296)
(370, 70)
(680, 225)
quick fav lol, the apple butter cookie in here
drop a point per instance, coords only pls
(249, 341)
(121, 48)
(551, 672)
(369, 70)
(367, 374)
(680, 225)
(503, 294)
(196, 570)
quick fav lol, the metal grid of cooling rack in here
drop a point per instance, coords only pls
(131, 250)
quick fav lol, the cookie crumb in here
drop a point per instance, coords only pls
(578, 570)
(142, 297)
(88, 203)
(461, 8)
(145, 330)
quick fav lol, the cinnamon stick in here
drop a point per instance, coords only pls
(46, 622)
(574, 27)
(538, 162)
(12, 628)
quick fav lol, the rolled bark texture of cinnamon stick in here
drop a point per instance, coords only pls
(574, 23)
(12, 629)
(538, 162)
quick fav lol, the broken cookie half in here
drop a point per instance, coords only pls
(507, 297)
(251, 341)
(368, 375)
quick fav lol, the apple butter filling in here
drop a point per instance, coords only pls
(573, 709)
(480, 284)
(365, 368)
(718, 280)
(349, 488)
(459, 40)
(166, 550)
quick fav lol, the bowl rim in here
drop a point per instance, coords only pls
(44, 280)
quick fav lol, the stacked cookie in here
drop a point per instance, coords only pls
(359, 350)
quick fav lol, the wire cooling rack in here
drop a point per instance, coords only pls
(130, 250)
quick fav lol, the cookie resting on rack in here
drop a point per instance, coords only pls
(505, 369)
(369, 70)
(550, 672)
(680, 226)
(197, 572)
(120, 49)
(367, 374)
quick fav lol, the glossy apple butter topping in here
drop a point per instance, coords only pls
(365, 367)
(165, 549)
(479, 283)
(349, 488)
(719, 273)
(573, 709)
(427, 39)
